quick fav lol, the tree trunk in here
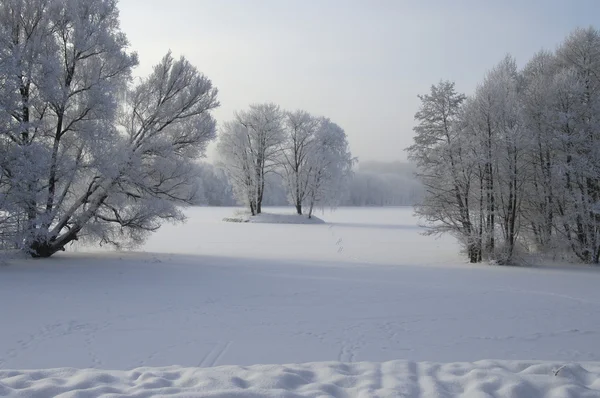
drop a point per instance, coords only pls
(491, 206)
(54, 241)
(259, 196)
(474, 252)
(299, 208)
(41, 249)
(45, 249)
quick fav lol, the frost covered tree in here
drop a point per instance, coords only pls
(300, 129)
(330, 166)
(249, 149)
(496, 124)
(529, 145)
(579, 141)
(540, 116)
(473, 162)
(440, 153)
(316, 160)
(310, 154)
(561, 105)
(235, 159)
(76, 161)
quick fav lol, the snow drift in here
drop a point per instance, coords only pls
(329, 379)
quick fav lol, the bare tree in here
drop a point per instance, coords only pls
(329, 166)
(300, 130)
(530, 145)
(236, 159)
(578, 91)
(539, 116)
(250, 148)
(443, 160)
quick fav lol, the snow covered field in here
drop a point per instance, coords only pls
(365, 286)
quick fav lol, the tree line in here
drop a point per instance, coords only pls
(371, 184)
(516, 165)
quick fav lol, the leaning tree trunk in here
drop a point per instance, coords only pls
(57, 240)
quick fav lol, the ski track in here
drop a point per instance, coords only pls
(214, 354)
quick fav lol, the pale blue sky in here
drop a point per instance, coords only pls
(361, 63)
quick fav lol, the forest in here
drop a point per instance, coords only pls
(514, 167)
(371, 184)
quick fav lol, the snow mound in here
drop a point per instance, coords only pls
(274, 218)
(332, 379)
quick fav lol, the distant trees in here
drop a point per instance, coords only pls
(371, 184)
(311, 155)
(214, 188)
(384, 184)
(519, 167)
(83, 153)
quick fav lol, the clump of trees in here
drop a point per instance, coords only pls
(372, 184)
(84, 152)
(516, 165)
(311, 155)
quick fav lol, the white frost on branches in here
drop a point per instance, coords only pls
(83, 152)
(516, 166)
(310, 153)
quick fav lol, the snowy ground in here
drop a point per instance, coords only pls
(363, 287)
(272, 218)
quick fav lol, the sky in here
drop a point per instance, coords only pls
(360, 63)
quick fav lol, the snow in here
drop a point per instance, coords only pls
(363, 287)
(328, 379)
(284, 217)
